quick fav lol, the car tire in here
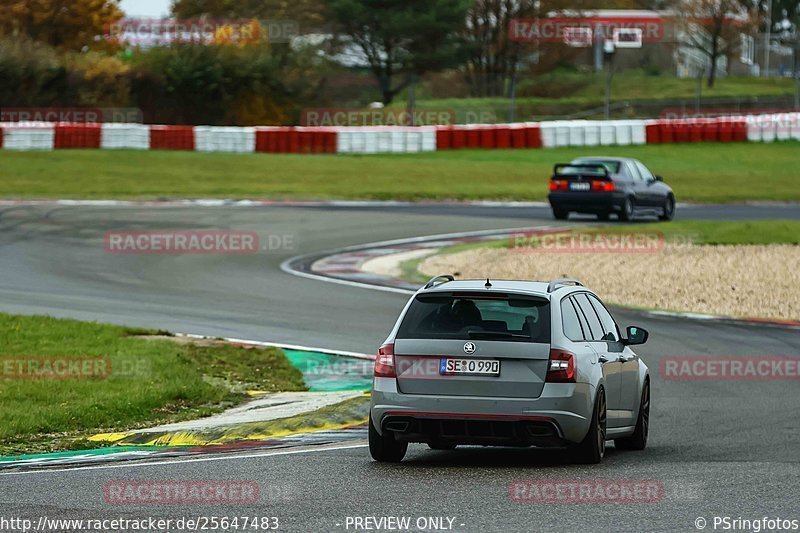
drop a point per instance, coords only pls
(626, 214)
(560, 214)
(385, 448)
(593, 447)
(669, 209)
(638, 441)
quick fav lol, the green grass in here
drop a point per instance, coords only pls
(698, 172)
(149, 382)
(723, 232)
(563, 92)
(702, 232)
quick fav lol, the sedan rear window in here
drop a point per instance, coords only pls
(463, 317)
(612, 166)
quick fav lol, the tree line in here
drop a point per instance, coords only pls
(57, 53)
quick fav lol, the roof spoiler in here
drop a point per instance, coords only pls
(553, 285)
(435, 279)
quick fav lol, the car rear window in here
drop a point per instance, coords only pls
(612, 166)
(462, 316)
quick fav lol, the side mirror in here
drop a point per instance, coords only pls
(636, 335)
(659, 178)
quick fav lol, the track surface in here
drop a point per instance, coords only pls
(720, 448)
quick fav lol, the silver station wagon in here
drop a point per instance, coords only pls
(508, 363)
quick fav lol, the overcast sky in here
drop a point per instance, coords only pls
(145, 8)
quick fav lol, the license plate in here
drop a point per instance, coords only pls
(579, 186)
(469, 367)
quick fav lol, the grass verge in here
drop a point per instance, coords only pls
(566, 91)
(138, 382)
(708, 172)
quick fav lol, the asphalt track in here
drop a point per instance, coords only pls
(720, 448)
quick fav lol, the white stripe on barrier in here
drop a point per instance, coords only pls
(753, 129)
(428, 138)
(547, 130)
(782, 123)
(344, 141)
(28, 137)
(386, 139)
(591, 136)
(794, 127)
(577, 132)
(608, 134)
(622, 132)
(225, 139)
(125, 136)
(638, 131)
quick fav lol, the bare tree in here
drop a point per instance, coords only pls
(713, 27)
(493, 56)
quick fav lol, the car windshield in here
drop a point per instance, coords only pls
(501, 317)
(612, 166)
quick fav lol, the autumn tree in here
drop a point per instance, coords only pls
(308, 14)
(69, 25)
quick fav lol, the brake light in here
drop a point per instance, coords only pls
(384, 363)
(602, 186)
(561, 367)
(559, 185)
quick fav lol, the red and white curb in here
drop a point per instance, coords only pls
(345, 267)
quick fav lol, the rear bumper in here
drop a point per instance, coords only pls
(561, 415)
(588, 202)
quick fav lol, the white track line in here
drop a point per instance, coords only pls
(285, 266)
(297, 347)
(190, 460)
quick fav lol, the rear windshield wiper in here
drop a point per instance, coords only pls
(496, 334)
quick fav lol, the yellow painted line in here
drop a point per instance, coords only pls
(109, 437)
(285, 433)
(188, 438)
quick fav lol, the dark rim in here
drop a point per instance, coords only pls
(669, 207)
(628, 207)
(601, 424)
(646, 410)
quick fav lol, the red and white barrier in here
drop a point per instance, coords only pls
(400, 139)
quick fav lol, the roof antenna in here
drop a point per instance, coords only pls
(488, 284)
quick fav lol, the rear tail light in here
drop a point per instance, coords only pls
(602, 186)
(561, 367)
(559, 185)
(384, 363)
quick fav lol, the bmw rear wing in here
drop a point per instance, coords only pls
(592, 170)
